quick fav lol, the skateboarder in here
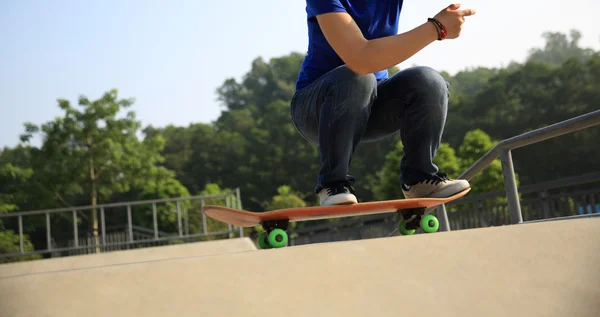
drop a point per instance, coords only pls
(344, 95)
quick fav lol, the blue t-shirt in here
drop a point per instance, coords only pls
(375, 18)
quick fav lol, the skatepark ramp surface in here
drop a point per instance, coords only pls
(127, 256)
(540, 269)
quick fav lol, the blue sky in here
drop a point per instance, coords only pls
(172, 55)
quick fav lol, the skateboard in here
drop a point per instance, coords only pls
(414, 213)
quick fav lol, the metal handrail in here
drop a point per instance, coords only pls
(113, 205)
(574, 124)
(503, 149)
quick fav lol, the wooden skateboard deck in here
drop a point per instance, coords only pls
(243, 218)
(275, 222)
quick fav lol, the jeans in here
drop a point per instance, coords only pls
(342, 109)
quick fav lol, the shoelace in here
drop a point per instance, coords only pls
(436, 179)
(340, 189)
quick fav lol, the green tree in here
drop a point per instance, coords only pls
(462, 87)
(285, 198)
(161, 185)
(93, 152)
(559, 48)
(177, 150)
(9, 243)
(475, 144)
(534, 96)
(12, 180)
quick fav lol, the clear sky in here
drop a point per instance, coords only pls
(172, 55)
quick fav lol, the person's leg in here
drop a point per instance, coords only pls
(333, 113)
(415, 102)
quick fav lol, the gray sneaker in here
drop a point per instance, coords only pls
(437, 186)
(338, 195)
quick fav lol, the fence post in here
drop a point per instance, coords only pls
(239, 206)
(21, 234)
(103, 228)
(545, 204)
(48, 232)
(204, 223)
(129, 224)
(75, 229)
(228, 205)
(155, 221)
(510, 185)
(443, 218)
(239, 199)
(179, 227)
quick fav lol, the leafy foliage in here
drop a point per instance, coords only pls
(89, 155)
(285, 198)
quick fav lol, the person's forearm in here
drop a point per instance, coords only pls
(383, 53)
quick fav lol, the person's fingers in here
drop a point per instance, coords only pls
(466, 12)
(454, 6)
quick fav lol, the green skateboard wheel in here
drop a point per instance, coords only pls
(429, 224)
(278, 238)
(403, 230)
(263, 243)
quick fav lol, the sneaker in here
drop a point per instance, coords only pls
(338, 195)
(436, 186)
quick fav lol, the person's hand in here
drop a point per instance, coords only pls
(453, 19)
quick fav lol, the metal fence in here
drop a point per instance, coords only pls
(503, 151)
(572, 196)
(173, 220)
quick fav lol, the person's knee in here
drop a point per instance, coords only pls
(429, 81)
(355, 91)
(365, 83)
(347, 80)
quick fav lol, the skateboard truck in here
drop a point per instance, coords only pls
(412, 219)
(275, 235)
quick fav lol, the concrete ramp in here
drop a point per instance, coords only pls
(127, 256)
(543, 269)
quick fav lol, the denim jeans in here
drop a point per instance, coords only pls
(342, 109)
